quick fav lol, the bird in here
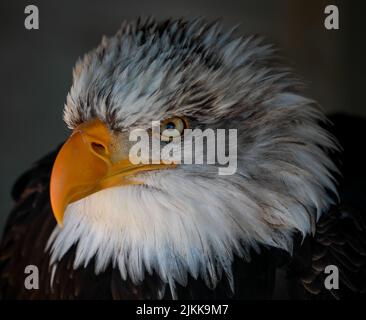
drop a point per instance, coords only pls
(98, 227)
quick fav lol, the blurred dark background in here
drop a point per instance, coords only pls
(36, 65)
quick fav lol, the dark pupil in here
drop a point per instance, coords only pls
(170, 125)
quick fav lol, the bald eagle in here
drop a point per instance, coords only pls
(99, 227)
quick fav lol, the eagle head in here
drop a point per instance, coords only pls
(180, 219)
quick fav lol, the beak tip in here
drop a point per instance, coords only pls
(59, 220)
(57, 213)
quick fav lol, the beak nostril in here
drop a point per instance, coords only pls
(99, 148)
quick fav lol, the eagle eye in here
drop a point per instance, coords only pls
(172, 128)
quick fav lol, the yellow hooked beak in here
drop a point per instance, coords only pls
(84, 166)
